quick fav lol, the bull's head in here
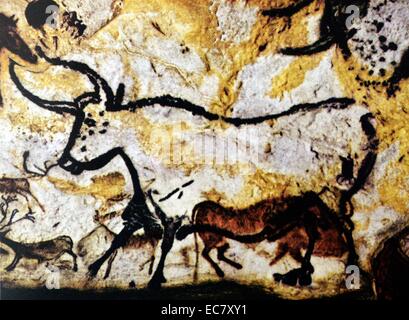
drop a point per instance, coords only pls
(87, 147)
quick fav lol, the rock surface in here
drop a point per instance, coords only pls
(226, 57)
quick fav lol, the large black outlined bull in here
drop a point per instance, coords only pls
(83, 153)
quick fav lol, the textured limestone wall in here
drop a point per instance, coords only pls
(225, 56)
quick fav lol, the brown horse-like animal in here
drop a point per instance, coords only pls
(298, 223)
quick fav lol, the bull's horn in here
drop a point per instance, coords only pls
(93, 76)
(60, 107)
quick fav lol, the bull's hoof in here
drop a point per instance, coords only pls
(220, 273)
(93, 270)
(299, 276)
(10, 268)
(156, 282)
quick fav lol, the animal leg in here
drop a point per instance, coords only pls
(14, 263)
(348, 228)
(170, 228)
(281, 252)
(119, 241)
(74, 260)
(206, 255)
(220, 255)
(109, 267)
(152, 261)
(302, 275)
(296, 255)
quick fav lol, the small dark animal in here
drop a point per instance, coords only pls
(19, 186)
(40, 251)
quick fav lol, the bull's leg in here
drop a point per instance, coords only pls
(170, 228)
(220, 255)
(110, 262)
(74, 260)
(14, 263)
(302, 275)
(150, 270)
(348, 228)
(280, 253)
(119, 241)
(215, 266)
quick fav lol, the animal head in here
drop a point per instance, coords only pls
(11, 40)
(87, 142)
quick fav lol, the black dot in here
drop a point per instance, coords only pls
(101, 113)
(90, 122)
(106, 124)
(103, 131)
(83, 149)
(382, 72)
(91, 132)
(393, 46)
(262, 47)
(83, 138)
(382, 39)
